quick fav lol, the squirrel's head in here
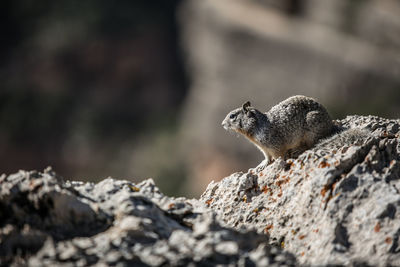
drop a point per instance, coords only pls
(242, 120)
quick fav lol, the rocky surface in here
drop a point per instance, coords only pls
(45, 221)
(335, 204)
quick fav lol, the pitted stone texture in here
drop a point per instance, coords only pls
(45, 221)
(334, 204)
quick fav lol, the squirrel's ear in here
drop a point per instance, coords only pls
(246, 106)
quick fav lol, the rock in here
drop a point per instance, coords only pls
(335, 204)
(46, 221)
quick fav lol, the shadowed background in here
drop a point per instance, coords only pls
(137, 89)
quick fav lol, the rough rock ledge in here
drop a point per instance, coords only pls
(45, 221)
(338, 203)
(335, 204)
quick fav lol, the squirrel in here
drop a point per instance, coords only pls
(286, 130)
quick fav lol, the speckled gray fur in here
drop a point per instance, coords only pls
(286, 130)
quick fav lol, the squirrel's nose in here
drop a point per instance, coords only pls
(225, 124)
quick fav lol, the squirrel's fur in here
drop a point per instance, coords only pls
(286, 130)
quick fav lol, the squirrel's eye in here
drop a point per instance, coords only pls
(232, 116)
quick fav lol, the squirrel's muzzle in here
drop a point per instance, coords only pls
(225, 124)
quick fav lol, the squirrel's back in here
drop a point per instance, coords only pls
(300, 122)
(295, 111)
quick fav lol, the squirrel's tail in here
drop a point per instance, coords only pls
(342, 137)
(337, 128)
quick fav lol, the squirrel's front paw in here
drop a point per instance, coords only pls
(263, 164)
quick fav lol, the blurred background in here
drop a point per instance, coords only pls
(138, 89)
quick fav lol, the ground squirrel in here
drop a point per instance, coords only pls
(288, 129)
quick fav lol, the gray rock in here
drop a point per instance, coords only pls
(335, 204)
(45, 221)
